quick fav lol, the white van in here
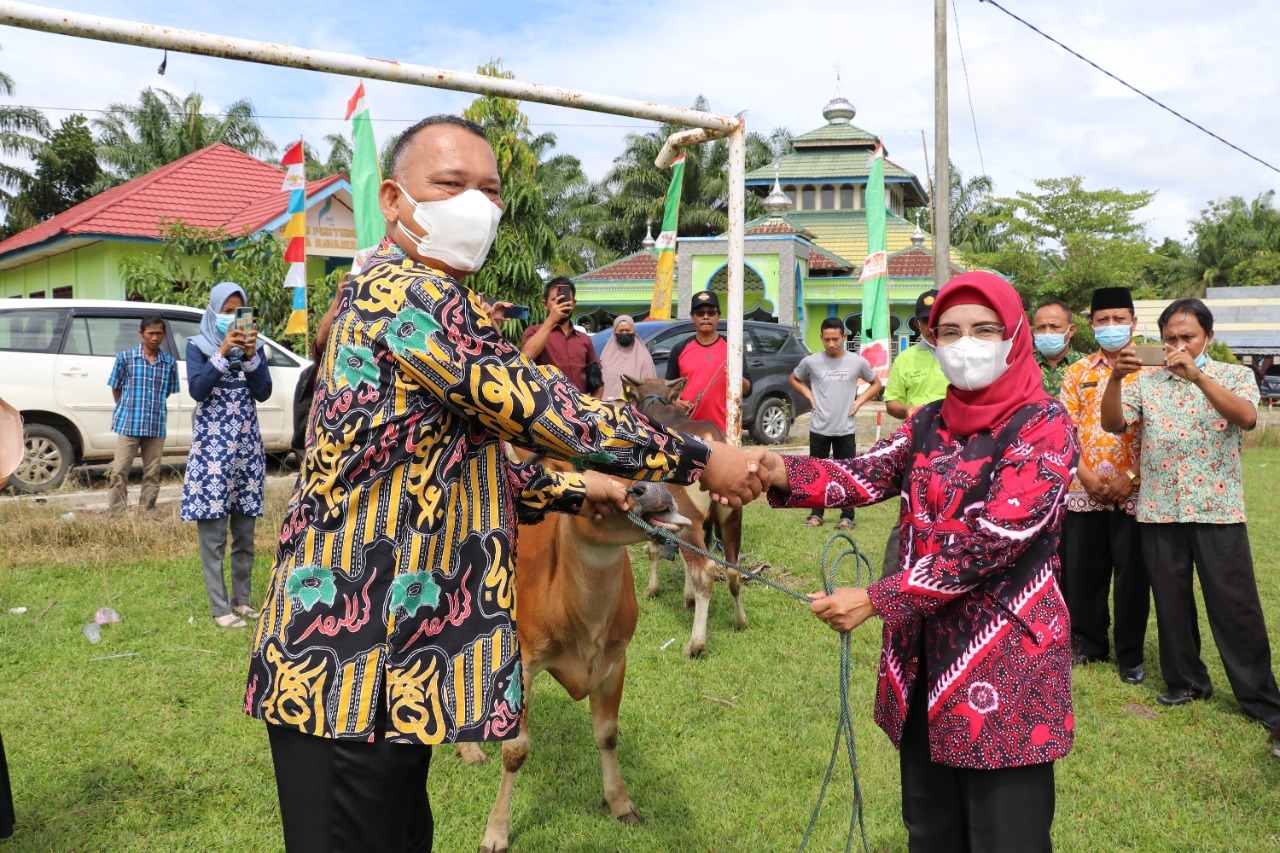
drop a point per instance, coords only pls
(56, 356)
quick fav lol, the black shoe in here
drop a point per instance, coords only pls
(1132, 674)
(1182, 695)
(1080, 658)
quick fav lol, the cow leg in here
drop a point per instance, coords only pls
(731, 535)
(605, 699)
(471, 753)
(497, 832)
(703, 573)
(655, 554)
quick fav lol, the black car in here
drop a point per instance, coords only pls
(772, 353)
(1270, 384)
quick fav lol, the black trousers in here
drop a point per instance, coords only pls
(347, 796)
(1224, 563)
(837, 447)
(953, 810)
(1099, 546)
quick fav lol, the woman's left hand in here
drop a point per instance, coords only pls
(843, 610)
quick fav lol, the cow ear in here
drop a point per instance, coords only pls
(677, 385)
(628, 385)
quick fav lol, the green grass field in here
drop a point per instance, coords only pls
(726, 753)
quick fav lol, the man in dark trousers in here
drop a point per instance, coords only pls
(704, 361)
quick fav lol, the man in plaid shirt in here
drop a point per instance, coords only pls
(141, 381)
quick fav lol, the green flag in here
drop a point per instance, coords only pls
(365, 180)
(660, 309)
(875, 274)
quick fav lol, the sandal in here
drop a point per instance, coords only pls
(813, 521)
(245, 610)
(230, 620)
(845, 524)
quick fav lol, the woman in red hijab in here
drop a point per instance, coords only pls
(975, 672)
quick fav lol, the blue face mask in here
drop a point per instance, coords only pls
(223, 322)
(1201, 358)
(1112, 338)
(1051, 344)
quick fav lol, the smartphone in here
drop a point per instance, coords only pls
(1151, 356)
(244, 320)
(564, 293)
(517, 312)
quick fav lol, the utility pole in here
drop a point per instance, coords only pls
(940, 204)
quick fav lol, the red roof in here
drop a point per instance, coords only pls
(821, 260)
(642, 265)
(214, 187)
(773, 225)
(915, 262)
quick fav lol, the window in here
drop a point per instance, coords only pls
(38, 294)
(104, 336)
(62, 293)
(790, 192)
(769, 341)
(32, 330)
(853, 331)
(846, 198)
(806, 198)
(828, 198)
(181, 331)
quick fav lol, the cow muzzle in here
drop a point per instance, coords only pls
(657, 505)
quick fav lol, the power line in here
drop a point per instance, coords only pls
(967, 89)
(1135, 89)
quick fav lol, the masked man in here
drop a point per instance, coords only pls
(389, 622)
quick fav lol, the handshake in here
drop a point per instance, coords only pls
(736, 477)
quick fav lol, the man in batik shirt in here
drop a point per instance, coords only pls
(389, 621)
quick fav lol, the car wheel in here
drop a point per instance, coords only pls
(772, 422)
(47, 459)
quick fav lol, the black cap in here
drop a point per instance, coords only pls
(1111, 297)
(704, 297)
(924, 305)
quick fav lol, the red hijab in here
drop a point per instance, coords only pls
(967, 412)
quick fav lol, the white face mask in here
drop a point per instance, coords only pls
(971, 364)
(456, 231)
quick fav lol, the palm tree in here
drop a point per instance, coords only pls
(134, 139)
(574, 209)
(338, 161)
(22, 134)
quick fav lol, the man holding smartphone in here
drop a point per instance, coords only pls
(556, 342)
(1100, 536)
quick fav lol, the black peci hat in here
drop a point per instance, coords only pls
(1111, 297)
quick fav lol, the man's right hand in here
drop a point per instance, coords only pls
(683, 405)
(1094, 485)
(732, 477)
(558, 310)
(1127, 362)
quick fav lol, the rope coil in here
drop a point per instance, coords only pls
(862, 575)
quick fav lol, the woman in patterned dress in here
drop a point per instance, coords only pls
(975, 671)
(224, 481)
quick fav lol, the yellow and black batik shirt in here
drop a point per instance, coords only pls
(394, 580)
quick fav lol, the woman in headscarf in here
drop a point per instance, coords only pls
(625, 354)
(225, 474)
(975, 672)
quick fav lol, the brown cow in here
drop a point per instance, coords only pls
(654, 398)
(576, 606)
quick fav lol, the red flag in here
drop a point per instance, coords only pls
(354, 104)
(293, 157)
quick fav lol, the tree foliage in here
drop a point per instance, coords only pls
(66, 170)
(134, 139)
(1064, 241)
(22, 133)
(525, 245)
(192, 260)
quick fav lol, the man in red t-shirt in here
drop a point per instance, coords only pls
(703, 360)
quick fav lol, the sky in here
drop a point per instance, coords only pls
(1020, 107)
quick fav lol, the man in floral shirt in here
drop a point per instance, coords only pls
(1100, 532)
(1191, 509)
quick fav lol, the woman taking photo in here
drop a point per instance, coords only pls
(975, 673)
(225, 473)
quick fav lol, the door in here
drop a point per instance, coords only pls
(81, 372)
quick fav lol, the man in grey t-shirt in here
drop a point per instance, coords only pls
(829, 381)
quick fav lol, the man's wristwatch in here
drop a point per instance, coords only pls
(1134, 478)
